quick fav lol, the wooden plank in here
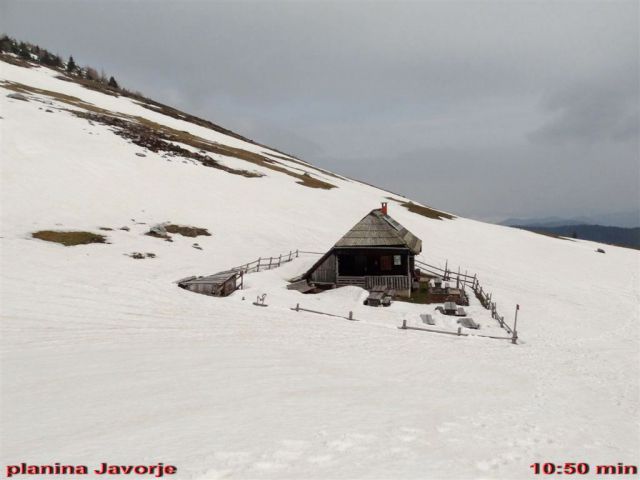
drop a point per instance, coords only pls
(298, 308)
(301, 286)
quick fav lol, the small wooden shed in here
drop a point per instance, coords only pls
(219, 284)
(377, 251)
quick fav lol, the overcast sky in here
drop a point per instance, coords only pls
(486, 109)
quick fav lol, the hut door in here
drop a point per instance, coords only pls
(361, 264)
(385, 263)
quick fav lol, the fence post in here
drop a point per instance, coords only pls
(279, 259)
(297, 253)
(514, 338)
(459, 330)
(404, 324)
(297, 307)
(350, 315)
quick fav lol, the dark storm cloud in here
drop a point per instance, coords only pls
(500, 97)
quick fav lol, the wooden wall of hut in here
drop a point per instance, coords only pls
(326, 271)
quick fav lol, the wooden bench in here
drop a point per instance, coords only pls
(460, 312)
(374, 299)
(468, 323)
(427, 318)
(449, 308)
(380, 295)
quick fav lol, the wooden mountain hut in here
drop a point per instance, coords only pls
(377, 251)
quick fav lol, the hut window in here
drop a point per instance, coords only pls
(385, 263)
(397, 260)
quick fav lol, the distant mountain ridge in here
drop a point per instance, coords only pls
(623, 237)
(542, 222)
(626, 219)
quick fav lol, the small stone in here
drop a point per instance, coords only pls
(17, 96)
(140, 154)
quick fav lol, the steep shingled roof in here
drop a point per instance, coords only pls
(379, 230)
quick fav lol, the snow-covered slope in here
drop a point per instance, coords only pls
(105, 359)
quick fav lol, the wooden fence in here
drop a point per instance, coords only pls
(404, 326)
(485, 298)
(298, 308)
(447, 275)
(264, 263)
(457, 333)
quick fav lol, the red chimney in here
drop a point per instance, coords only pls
(383, 209)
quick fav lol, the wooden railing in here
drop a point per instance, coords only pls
(446, 274)
(264, 263)
(350, 280)
(398, 282)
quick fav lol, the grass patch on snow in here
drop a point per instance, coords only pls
(69, 239)
(424, 211)
(187, 231)
(417, 296)
(172, 135)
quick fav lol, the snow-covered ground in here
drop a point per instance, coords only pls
(105, 359)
